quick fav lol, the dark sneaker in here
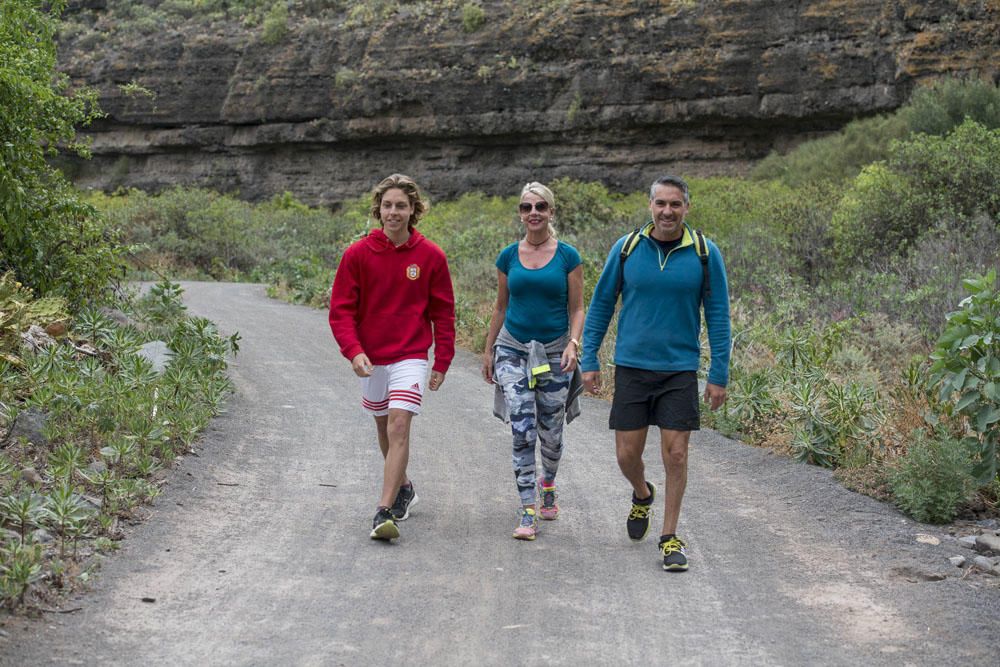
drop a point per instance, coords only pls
(674, 552)
(383, 527)
(638, 516)
(405, 499)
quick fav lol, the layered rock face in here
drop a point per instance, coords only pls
(612, 91)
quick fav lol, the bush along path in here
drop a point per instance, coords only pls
(93, 410)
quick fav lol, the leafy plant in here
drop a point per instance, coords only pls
(162, 305)
(751, 400)
(66, 460)
(20, 567)
(966, 366)
(66, 513)
(834, 423)
(24, 512)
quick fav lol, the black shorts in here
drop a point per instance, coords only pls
(653, 398)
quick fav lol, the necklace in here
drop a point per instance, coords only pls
(535, 245)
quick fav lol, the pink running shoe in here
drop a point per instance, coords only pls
(549, 510)
(528, 526)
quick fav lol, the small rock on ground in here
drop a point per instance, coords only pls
(987, 542)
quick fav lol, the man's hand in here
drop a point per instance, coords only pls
(437, 379)
(715, 395)
(592, 381)
(362, 365)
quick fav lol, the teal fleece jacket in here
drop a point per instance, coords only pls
(659, 324)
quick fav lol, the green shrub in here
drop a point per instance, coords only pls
(838, 157)
(473, 17)
(202, 233)
(934, 109)
(943, 105)
(957, 173)
(933, 478)
(926, 180)
(922, 286)
(275, 25)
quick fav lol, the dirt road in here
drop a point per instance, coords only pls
(258, 552)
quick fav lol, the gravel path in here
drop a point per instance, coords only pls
(258, 552)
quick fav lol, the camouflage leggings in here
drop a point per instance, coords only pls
(537, 411)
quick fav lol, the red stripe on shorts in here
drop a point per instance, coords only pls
(407, 396)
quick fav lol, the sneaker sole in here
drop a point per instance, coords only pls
(385, 531)
(553, 517)
(675, 568)
(641, 537)
(408, 507)
(526, 538)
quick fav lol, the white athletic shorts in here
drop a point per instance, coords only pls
(399, 385)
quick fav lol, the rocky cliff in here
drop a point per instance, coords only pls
(324, 103)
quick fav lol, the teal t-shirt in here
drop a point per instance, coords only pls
(538, 300)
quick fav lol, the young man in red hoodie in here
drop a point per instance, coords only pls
(392, 297)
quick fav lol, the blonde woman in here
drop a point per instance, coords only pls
(531, 350)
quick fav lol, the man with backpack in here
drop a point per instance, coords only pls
(666, 274)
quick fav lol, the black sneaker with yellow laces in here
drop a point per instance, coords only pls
(674, 551)
(638, 516)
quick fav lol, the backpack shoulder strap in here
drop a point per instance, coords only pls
(701, 246)
(631, 241)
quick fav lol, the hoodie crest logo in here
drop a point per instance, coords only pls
(413, 272)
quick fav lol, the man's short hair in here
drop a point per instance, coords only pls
(675, 181)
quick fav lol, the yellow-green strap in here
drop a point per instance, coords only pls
(537, 370)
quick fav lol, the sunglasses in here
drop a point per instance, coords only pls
(541, 207)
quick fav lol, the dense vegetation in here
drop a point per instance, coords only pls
(48, 237)
(841, 285)
(87, 422)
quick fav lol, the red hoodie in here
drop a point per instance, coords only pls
(385, 299)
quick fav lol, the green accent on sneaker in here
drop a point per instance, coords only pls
(383, 526)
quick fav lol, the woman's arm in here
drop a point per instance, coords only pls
(496, 323)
